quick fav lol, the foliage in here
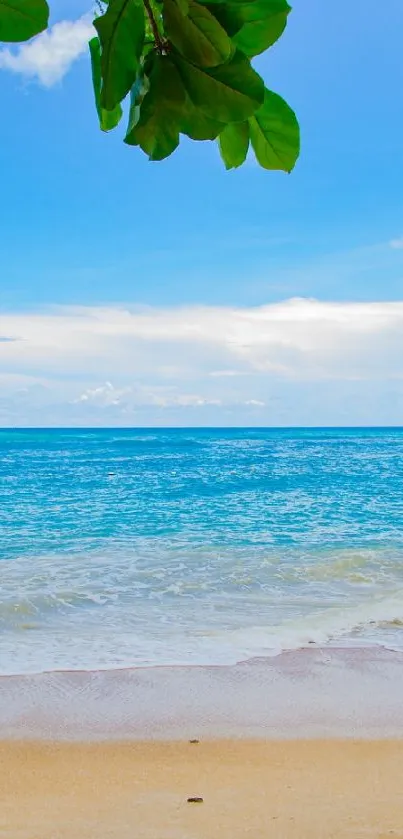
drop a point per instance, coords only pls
(186, 66)
(21, 19)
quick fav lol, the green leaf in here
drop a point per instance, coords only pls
(274, 132)
(256, 24)
(234, 144)
(230, 2)
(107, 119)
(137, 94)
(197, 125)
(261, 21)
(265, 21)
(121, 31)
(228, 16)
(22, 19)
(157, 130)
(197, 35)
(229, 93)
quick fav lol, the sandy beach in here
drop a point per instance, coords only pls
(255, 789)
(308, 744)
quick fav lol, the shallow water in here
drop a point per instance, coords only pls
(134, 547)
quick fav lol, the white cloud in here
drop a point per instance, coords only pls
(226, 374)
(104, 395)
(49, 56)
(396, 244)
(185, 400)
(298, 361)
(130, 398)
(297, 337)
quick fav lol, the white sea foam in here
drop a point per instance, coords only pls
(113, 609)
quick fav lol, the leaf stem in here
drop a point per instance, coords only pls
(158, 40)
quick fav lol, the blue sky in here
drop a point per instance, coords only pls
(90, 224)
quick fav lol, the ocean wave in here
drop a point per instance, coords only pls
(355, 623)
(87, 613)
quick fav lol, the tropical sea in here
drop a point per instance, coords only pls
(125, 548)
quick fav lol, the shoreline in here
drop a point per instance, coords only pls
(129, 668)
(317, 692)
(304, 789)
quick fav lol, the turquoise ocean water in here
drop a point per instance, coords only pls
(141, 547)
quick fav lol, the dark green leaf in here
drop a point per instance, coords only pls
(107, 119)
(157, 130)
(229, 93)
(197, 125)
(234, 144)
(257, 24)
(265, 21)
(274, 132)
(22, 19)
(121, 31)
(228, 16)
(198, 36)
(183, 5)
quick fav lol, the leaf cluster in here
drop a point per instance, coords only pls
(186, 67)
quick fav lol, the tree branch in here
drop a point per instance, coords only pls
(158, 40)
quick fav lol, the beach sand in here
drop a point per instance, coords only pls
(256, 789)
(308, 744)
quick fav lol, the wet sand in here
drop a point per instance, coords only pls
(322, 693)
(256, 789)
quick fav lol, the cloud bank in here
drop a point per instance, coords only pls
(48, 57)
(300, 361)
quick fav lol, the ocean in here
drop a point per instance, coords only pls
(126, 548)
